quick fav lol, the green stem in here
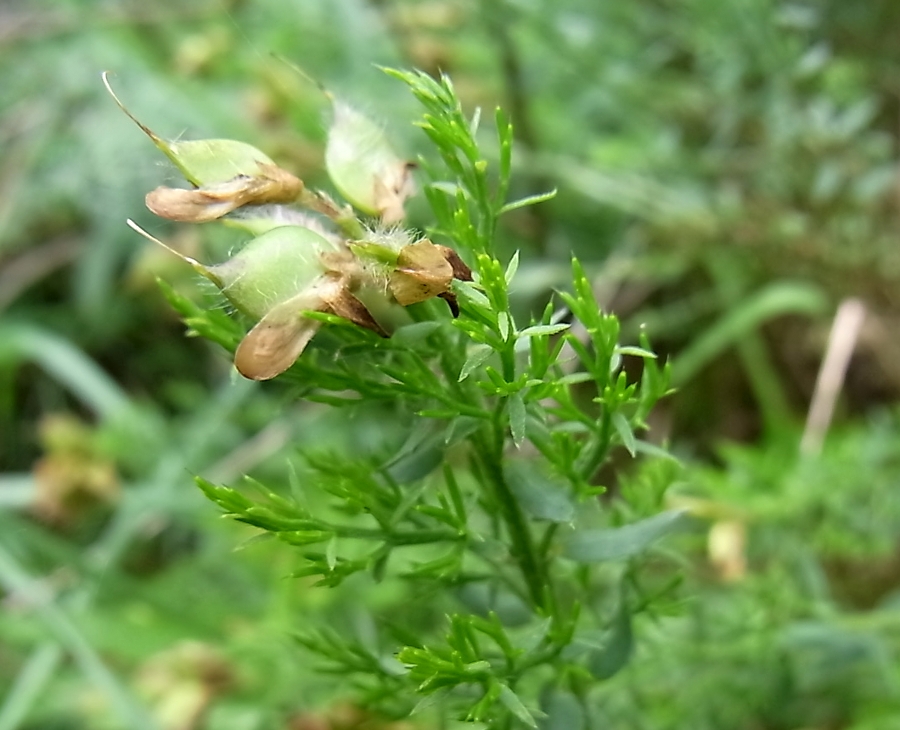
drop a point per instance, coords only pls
(547, 540)
(522, 543)
(594, 453)
(508, 361)
(401, 537)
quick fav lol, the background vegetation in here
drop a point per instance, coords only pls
(727, 173)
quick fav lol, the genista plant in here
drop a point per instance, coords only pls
(491, 514)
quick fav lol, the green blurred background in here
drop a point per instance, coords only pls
(727, 171)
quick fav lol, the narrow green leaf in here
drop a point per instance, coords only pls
(304, 537)
(331, 552)
(623, 428)
(430, 700)
(531, 638)
(460, 428)
(480, 709)
(574, 378)
(512, 268)
(448, 188)
(469, 291)
(636, 351)
(512, 702)
(530, 200)
(517, 416)
(645, 447)
(476, 121)
(505, 139)
(542, 329)
(379, 563)
(456, 497)
(592, 546)
(504, 325)
(477, 356)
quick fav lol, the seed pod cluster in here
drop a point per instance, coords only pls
(307, 253)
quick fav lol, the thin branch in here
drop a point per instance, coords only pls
(841, 343)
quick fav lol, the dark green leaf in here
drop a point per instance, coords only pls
(608, 660)
(422, 453)
(540, 496)
(563, 711)
(592, 546)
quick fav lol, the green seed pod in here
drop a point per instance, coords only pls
(272, 268)
(206, 161)
(363, 166)
(278, 277)
(227, 174)
(213, 161)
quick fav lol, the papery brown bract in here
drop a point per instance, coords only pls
(278, 339)
(425, 270)
(270, 185)
(422, 272)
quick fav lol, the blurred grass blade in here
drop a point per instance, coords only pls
(775, 300)
(29, 685)
(66, 364)
(15, 580)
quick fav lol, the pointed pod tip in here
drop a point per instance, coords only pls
(196, 265)
(311, 79)
(158, 141)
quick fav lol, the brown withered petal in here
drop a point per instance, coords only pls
(452, 302)
(391, 192)
(345, 305)
(461, 270)
(275, 185)
(277, 340)
(210, 202)
(422, 272)
(190, 206)
(280, 337)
